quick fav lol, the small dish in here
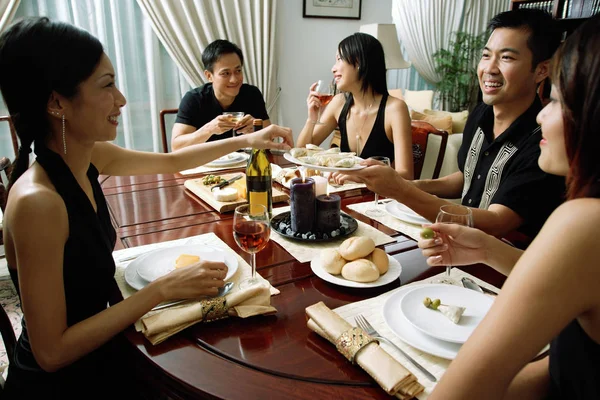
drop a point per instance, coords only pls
(404, 213)
(393, 273)
(281, 222)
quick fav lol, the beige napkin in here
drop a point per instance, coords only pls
(387, 372)
(255, 300)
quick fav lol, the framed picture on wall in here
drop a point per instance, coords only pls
(345, 9)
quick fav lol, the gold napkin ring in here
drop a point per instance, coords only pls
(214, 309)
(352, 341)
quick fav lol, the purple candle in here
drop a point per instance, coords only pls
(328, 213)
(302, 204)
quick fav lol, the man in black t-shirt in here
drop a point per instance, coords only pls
(499, 176)
(200, 117)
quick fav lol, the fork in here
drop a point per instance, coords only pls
(367, 327)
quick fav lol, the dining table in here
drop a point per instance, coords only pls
(261, 357)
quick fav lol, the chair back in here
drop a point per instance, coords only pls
(429, 148)
(163, 128)
(13, 133)
(8, 334)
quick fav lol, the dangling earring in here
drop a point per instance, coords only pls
(63, 135)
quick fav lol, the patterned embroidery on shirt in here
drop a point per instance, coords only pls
(471, 161)
(494, 176)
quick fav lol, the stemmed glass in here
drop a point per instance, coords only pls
(325, 92)
(251, 231)
(375, 211)
(453, 214)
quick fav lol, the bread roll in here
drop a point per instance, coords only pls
(356, 247)
(380, 259)
(332, 261)
(361, 270)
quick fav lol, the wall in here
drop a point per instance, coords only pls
(307, 47)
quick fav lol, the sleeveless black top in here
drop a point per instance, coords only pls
(88, 273)
(377, 143)
(574, 365)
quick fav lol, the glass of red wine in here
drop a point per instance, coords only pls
(251, 231)
(325, 92)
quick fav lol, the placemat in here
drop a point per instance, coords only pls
(372, 310)
(123, 258)
(203, 192)
(406, 228)
(304, 251)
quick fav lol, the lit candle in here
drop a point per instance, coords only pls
(328, 213)
(320, 185)
(302, 204)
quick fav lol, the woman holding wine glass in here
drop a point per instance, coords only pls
(371, 122)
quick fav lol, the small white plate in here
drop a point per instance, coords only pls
(391, 275)
(228, 159)
(157, 263)
(434, 323)
(289, 157)
(410, 335)
(404, 213)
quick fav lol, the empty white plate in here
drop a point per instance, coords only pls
(436, 324)
(160, 262)
(404, 213)
(228, 159)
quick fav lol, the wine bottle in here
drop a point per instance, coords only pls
(258, 176)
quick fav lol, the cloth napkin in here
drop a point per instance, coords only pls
(255, 300)
(387, 372)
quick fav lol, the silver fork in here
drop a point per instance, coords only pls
(367, 327)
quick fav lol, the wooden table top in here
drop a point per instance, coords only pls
(273, 356)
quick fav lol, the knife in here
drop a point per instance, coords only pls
(227, 182)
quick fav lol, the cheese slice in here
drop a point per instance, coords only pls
(185, 260)
(240, 186)
(453, 313)
(225, 194)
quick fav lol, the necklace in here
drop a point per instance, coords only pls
(359, 134)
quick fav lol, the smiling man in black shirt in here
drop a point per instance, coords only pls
(499, 176)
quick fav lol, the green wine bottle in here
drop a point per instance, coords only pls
(258, 176)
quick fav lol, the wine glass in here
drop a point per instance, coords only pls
(375, 211)
(235, 117)
(251, 231)
(325, 92)
(453, 214)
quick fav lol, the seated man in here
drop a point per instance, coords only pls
(499, 176)
(200, 117)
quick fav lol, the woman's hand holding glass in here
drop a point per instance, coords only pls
(454, 244)
(321, 93)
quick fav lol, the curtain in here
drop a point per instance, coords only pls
(145, 73)
(7, 12)
(186, 27)
(426, 26)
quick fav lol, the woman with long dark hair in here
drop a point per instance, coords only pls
(59, 87)
(364, 110)
(551, 294)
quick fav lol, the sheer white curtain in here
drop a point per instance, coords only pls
(186, 27)
(425, 26)
(145, 72)
(7, 12)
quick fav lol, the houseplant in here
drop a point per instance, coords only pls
(457, 67)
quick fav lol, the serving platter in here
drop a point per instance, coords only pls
(393, 273)
(294, 160)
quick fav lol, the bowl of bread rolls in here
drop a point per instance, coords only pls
(356, 263)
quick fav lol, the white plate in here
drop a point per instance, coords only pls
(157, 263)
(391, 275)
(434, 323)
(403, 213)
(289, 157)
(410, 335)
(228, 160)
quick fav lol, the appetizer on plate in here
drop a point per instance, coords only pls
(453, 313)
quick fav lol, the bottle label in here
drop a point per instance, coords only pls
(259, 198)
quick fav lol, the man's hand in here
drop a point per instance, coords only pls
(244, 125)
(378, 177)
(220, 125)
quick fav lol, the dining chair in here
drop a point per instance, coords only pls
(8, 338)
(429, 148)
(13, 133)
(163, 129)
